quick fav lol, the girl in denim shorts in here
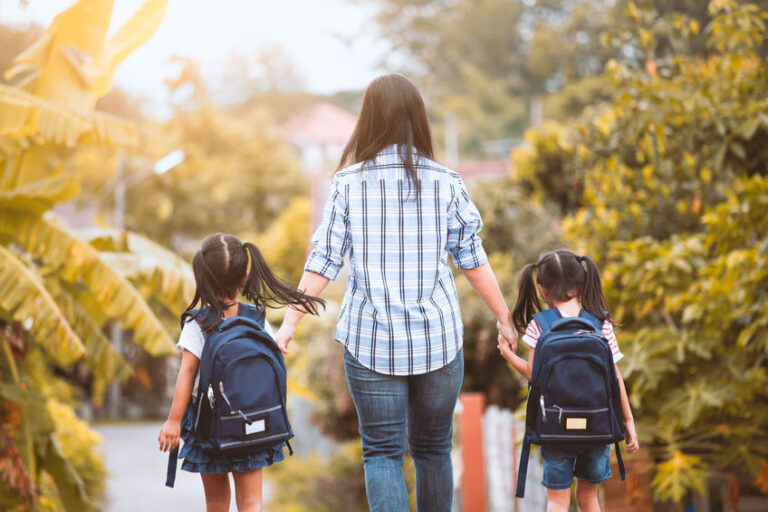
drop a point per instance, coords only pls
(569, 283)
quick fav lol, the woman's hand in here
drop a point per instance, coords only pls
(507, 332)
(284, 336)
(169, 435)
(631, 441)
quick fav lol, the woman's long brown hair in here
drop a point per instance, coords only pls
(393, 112)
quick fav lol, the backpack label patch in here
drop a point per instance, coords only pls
(256, 427)
(576, 424)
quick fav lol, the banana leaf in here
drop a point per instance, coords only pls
(76, 261)
(24, 299)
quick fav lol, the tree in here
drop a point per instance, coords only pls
(57, 290)
(674, 207)
(237, 176)
(486, 61)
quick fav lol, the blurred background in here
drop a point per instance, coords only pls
(632, 131)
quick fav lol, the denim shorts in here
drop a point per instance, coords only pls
(592, 465)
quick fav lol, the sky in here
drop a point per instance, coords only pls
(329, 42)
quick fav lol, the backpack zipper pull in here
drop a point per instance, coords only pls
(543, 409)
(225, 397)
(231, 410)
(211, 397)
(560, 414)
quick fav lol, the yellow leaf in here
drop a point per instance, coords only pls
(24, 298)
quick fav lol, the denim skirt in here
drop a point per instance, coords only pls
(198, 461)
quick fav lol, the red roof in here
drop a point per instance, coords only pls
(485, 168)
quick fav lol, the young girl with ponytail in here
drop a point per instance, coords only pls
(223, 267)
(569, 283)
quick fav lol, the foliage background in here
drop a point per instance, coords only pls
(651, 158)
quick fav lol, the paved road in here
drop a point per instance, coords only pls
(137, 468)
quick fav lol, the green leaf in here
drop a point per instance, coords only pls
(71, 487)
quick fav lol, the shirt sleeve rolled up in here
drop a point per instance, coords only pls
(331, 238)
(464, 224)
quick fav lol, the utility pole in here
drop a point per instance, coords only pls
(115, 330)
(451, 140)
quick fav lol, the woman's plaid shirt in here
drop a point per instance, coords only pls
(400, 314)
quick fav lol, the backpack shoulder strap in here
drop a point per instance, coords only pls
(187, 316)
(252, 312)
(546, 318)
(522, 468)
(173, 460)
(597, 324)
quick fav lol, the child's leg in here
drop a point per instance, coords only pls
(217, 493)
(248, 490)
(586, 496)
(558, 500)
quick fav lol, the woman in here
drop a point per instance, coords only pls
(398, 213)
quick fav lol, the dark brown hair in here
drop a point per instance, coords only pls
(221, 270)
(393, 112)
(563, 276)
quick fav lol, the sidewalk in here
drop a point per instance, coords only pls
(137, 473)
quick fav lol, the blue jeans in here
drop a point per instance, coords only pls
(388, 407)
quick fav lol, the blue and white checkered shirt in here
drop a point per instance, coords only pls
(400, 314)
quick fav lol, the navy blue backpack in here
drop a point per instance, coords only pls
(241, 398)
(574, 402)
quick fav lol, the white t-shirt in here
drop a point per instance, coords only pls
(193, 339)
(533, 332)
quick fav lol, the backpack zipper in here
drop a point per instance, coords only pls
(211, 397)
(543, 409)
(231, 409)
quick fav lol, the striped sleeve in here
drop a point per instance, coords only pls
(464, 224)
(611, 337)
(331, 239)
(532, 333)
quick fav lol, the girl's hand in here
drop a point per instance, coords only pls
(508, 333)
(284, 336)
(506, 348)
(631, 441)
(169, 435)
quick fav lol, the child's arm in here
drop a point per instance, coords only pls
(629, 422)
(523, 367)
(171, 431)
(483, 281)
(311, 284)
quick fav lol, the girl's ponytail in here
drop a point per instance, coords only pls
(527, 303)
(592, 297)
(262, 286)
(207, 293)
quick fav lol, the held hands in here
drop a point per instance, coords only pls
(507, 339)
(284, 336)
(631, 441)
(169, 435)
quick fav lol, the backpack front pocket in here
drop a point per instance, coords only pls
(263, 426)
(564, 423)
